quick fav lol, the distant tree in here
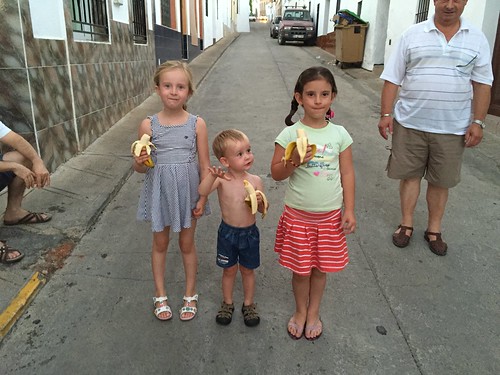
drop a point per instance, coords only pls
(250, 3)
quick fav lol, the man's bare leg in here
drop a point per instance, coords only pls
(437, 197)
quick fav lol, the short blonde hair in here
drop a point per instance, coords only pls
(219, 144)
(171, 65)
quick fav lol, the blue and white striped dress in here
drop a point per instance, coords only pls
(170, 189)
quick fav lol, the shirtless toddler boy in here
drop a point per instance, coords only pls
(238, 235)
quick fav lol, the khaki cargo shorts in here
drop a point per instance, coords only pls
(436, 157)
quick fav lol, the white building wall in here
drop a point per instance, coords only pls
(325, 24)
(376, 14)
(120, 12)
(48, 19)
(490, 21)
(208, 23)
(242, 23)
(401, 16)
(331, 13)
(218, 19)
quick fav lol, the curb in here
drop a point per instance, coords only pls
(19, 304)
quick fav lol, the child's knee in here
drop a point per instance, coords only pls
(160, 242)
(246, 271)
(230, 271)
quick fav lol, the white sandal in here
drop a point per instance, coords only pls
(189, 309)
(162, 307)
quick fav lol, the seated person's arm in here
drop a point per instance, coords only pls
(22, 146)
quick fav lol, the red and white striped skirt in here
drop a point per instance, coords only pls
(307, 240)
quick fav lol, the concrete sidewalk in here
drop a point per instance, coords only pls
(79, 191)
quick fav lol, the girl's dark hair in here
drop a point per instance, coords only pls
(311, 74)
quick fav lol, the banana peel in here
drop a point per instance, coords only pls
(143, 143)
(251, 198)
(300, 144)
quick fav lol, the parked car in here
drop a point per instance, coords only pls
(297, 25)
(273, 29)
(252, 18)
(263, 18)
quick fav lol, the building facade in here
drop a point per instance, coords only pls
(71, 69)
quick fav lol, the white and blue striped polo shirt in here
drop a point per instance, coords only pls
(435, 76)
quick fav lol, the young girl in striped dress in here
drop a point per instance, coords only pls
(319, 200)
(169, 197)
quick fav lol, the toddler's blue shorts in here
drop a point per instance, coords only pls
(5, 177)
(238, 245)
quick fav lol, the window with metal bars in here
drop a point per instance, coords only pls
(422, 11)
(90, 20)
(139, 22)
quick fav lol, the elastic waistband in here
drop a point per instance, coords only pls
(223, 223)
(308, 216)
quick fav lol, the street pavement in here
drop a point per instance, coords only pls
(80, 302)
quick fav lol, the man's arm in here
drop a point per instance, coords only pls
(389, 92)
(21, 145)
(480, 105)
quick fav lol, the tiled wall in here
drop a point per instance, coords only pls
(36, 100)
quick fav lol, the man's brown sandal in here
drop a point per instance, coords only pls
(437, 246)
(401, 239)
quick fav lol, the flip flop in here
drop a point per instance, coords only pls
(298, 328)
(30, 218)
(4, 254)
(316, 326)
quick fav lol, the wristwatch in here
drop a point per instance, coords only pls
(480, 123)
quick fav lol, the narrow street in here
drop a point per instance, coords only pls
(392, 311)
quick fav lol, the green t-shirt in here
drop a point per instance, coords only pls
(315, 186)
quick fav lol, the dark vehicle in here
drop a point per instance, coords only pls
(273, 29)
(297, 25)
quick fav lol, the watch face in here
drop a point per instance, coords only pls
(480, 123)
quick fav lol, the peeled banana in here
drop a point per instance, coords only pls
(251, 198)
(300, 144)
(143, 143)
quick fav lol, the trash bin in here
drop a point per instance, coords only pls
(350, 33)
(349, 43)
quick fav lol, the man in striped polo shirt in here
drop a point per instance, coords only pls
(442, 70)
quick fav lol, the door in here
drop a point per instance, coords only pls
(495, 90)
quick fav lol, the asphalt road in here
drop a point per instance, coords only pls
(392, 311)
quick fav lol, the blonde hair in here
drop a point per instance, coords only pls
(219, 145)
(171, 65)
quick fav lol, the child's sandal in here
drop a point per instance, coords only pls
(189, 309)
(250, 315)
(225, 314)
(162, 307)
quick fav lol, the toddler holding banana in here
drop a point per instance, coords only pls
(169, 197)
(315, 155)
(240, 197)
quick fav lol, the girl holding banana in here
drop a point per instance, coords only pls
(316, 157)
(178, 143)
